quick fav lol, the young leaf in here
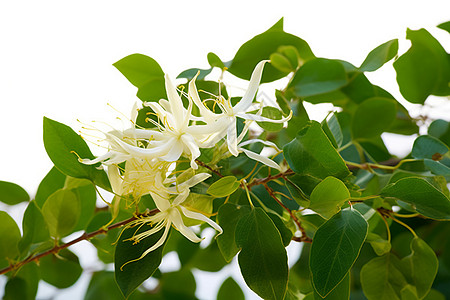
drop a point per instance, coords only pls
(424, 197)
(379, 56)
(318, 76)
(130, 274)
(11, 193)
(335, 248)
(424, 69)
(445, 26)
(420, 267)
(328, 196)
(53, 266)
(9, 238)
(373, 117)
(145, 74)
(228, 217)
(53, 181)
(223, 187)
(230, 290)
(263, 258)
(311, 153)
(333, 130)
(61, 142)
(61, 212)
(215, 61)
(35, 229)
(381, 278)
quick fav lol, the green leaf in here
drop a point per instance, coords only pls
(263, 258)
(373, 117)
(103, 286)
(261, 47)
(53, 266)
(424, 197)
(190, 73)
(35, 229)
(11, 193)
(61, 142)
(318, 76)
(420, 267)
(228, 217)
(434, 295)
(379, 56)
(333, 130)
(173, 290)
(129, 273)
(311, 153)
(335, 248)
(340, 292)
(230, 290)
(424, 69)
(328, 197)
(61, 212)
(30, 273)
(223, 187)
(9, 238)
(16, 288)
(85, 192)
(426, 146)
(215, 61)
(274, 114)
(145, 74)
(445, 26)
(440, 129)
(53, 181)
(281, 62)
(285, 232)
(381, 278)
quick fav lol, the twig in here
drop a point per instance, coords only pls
(264, 180)
(84, 236)
(304, 237)
(208, 167)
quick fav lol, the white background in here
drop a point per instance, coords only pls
(56, 57)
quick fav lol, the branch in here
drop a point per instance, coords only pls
(84, 236)
(264, 180)
(304, 237)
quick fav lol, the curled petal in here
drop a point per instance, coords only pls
(177, 221)
(198, 216)
(259, 118)
(232, 139)
(262, 159)
(267, 143)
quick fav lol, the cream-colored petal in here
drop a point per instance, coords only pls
(198, 216)
(115, 179)
(259, 118)
(262, 159)
(232, 139)
(177, 221)
(176, 104)
(267, 143)
(250, 93)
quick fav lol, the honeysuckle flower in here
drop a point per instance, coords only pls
(225, 123)
(170, 214)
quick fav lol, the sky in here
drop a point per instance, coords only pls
(56, 56)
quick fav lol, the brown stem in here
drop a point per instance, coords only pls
(208, 167)
(304, 237)
(84, 236)
(264, 180)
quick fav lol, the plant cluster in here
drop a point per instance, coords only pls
(195, 158)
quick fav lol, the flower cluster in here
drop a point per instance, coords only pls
(150, 154)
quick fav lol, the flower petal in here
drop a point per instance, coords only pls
(232, 139)
(262, 159)
(177, 221)
(176, 104)
(247, 99)
(201, 217)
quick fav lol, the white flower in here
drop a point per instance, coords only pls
(171, 214)
(225, 123)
